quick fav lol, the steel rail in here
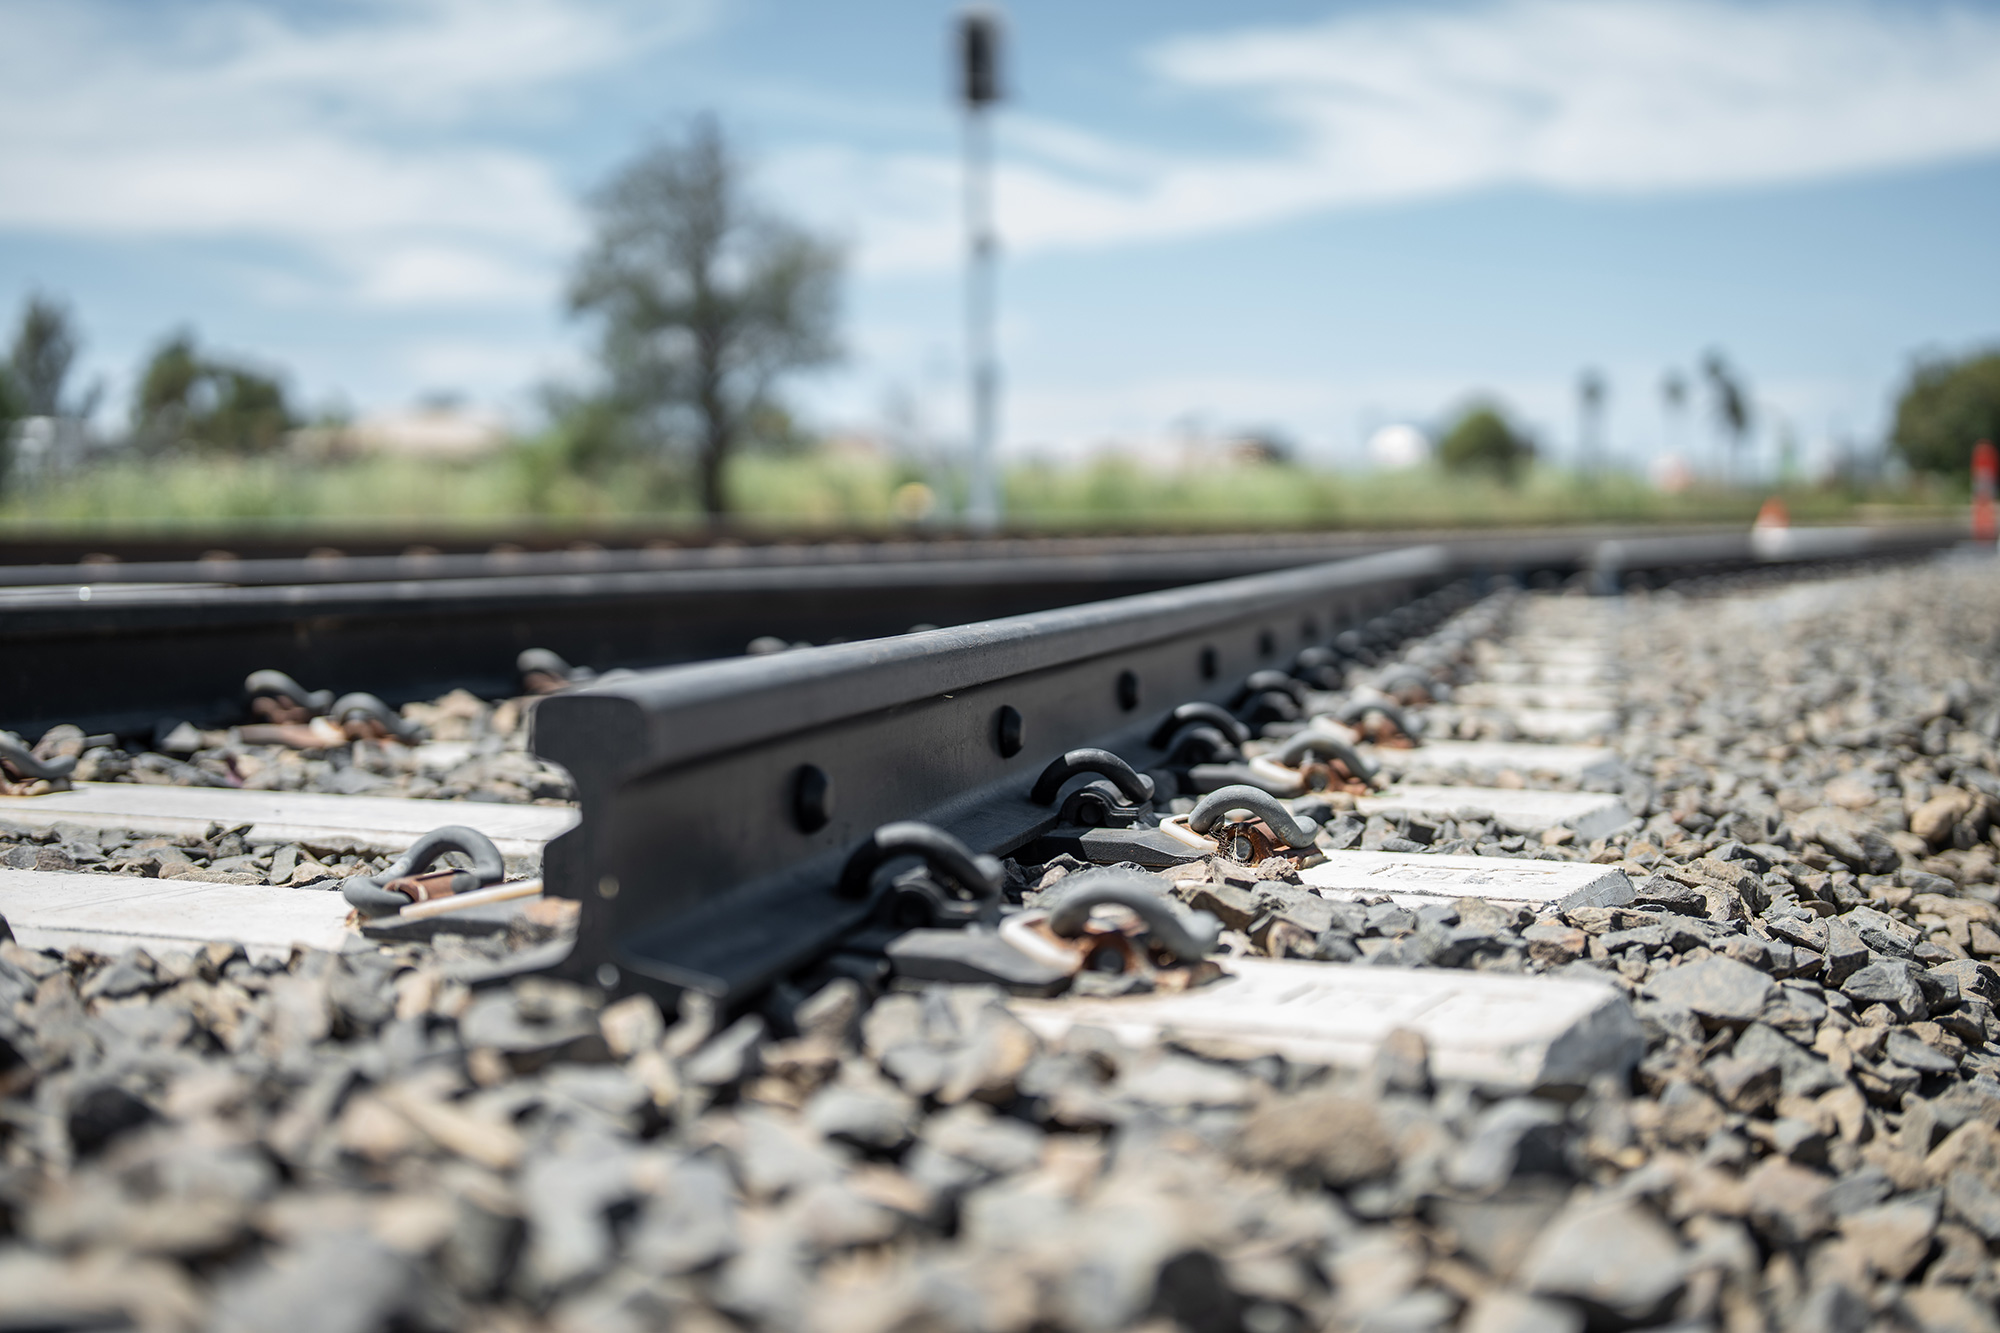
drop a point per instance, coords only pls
(719, 801)
(1240, 552)
(340, 556)
(70, 653)
(121, 657)
(429, 564)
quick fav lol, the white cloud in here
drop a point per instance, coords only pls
(358, 138)
(379, 138)
(1409, 101)
(1659, 94)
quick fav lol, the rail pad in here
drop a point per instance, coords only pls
(1418, 878)
(317, 819)
(108, 914)
(1502, 1032)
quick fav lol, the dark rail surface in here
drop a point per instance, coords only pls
(351, 554)
(1236, 552)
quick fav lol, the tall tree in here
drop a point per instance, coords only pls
(187, 398)
(1947, 407)
(1483, 440)
(1590, 394)
(40, 361)
(705, 297)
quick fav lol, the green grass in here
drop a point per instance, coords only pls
(530, 484)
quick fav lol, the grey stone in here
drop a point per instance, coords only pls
(879, 1118)
(1171, 1080)
(972, 1133)
(1610, 1254)
(1940, 990)
(1948, 1309)
(1890, 982)
(1746, 1083)
(1895, 1236)
(1965, 1103)
(1501, 1311)
(831, 1011)
(1419, 1311)
(891, 1022)
(1845, 954)
(774, 1155)
(1803, 1073)
(501, 1020)
(1403, 1062)
(1798, 928)
(1497, 1229)
(1971, 977)
(98, 1114)
(1717, 988)
(1518, 1136)
(1800, 1140)
(1859, 1189)
(1881, 932)
(327, 1283)
(16, 983)
(605, 1092)
(1337, 1139)
(1390, 919)
(1659, 891)
(1912, 1053)
(1830, 1307)
(832, 1216)
(1974, 1201)
(1794, 1009)
(484, 1243)
(766, 1281)
(691, 1224)
(567, 1194)
(131, 973)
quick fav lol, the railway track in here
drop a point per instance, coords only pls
(411, 626)
(1109, 963)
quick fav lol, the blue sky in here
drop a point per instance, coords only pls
(1315, 218)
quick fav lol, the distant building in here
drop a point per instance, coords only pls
(1398, 446)
(450, 432)
(856, 446)
(43, 447)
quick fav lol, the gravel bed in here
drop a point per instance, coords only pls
(221, 856)
(465, 748)
(1809, 1142)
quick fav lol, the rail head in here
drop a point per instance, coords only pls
(679, 714)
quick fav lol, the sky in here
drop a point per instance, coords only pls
(1313, 219)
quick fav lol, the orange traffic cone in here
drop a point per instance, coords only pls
(1773, 515)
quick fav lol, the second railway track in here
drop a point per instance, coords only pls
(118, 647)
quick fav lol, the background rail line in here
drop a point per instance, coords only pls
(72, 651)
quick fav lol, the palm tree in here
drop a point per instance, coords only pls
(1732, 406)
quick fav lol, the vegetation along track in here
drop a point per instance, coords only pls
(1116, 965)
